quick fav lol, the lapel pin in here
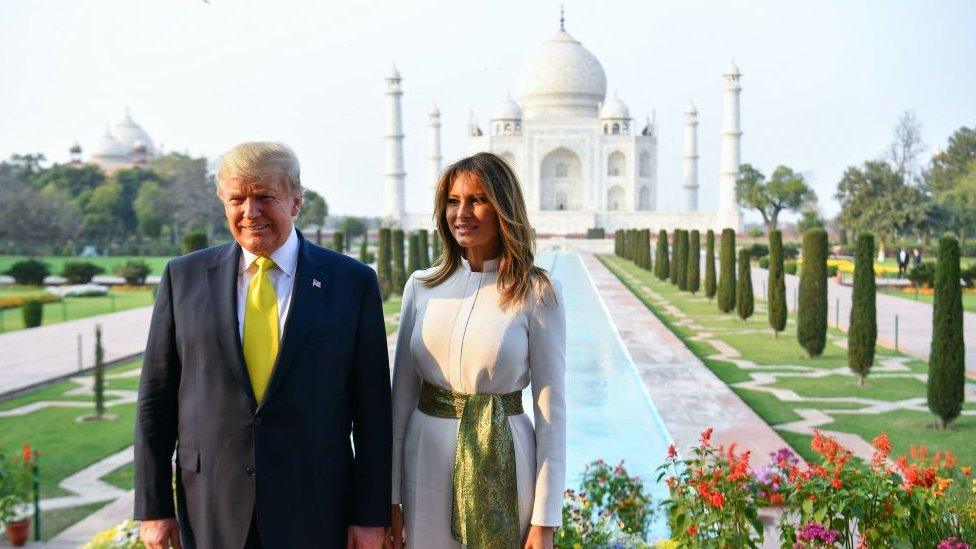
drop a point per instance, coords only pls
(316, 283)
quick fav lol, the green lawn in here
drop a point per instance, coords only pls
(73, 308)
(968, 299)
(55, 521)
(391, 310)
(753, 340)
(109, 263)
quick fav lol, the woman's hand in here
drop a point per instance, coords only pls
(394, 536)
(540, 537)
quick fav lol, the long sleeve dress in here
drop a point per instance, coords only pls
(455, 335)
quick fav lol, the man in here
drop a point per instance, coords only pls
(264, 354)
(902, 262)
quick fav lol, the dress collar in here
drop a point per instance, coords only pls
(285, 257)
(487, 266)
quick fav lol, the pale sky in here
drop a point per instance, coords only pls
(823, 82)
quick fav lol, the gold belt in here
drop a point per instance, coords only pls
(484, 511)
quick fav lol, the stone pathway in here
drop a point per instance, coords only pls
(762, 377)
(38, 355)
(687, 395)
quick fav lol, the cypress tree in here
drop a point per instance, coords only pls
(776, 287)
(683, 260)
(618, 243)
(726, 281)
(710, 285)
(384, 263)
(436, 242)
(694, 262)
(99, 385)
(338, 242)
(413, 254)
(634, 242)
(646, 249)
(424, 249)
(811, 316)
(364, 248)
(675, 256)
(745, 301)
(863, 331)
(665, 262)
(399, 266)
(947, 369)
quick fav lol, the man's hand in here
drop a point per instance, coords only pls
(365, 537)
(394, 535)
(160, 533)
(540, 537)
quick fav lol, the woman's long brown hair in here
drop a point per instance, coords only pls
(517, 273)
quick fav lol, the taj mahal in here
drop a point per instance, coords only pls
(582, 159)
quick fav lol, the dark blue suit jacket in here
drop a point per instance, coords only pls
(289, 458)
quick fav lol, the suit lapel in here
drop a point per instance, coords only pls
(222, 278)
(311, 280)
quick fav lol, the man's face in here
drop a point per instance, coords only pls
(259, 213)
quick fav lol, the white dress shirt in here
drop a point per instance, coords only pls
(282, 278)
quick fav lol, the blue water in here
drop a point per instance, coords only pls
(609, 414)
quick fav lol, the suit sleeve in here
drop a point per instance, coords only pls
(369, 397)
(156, 411)
(406, 384)
(547, 364)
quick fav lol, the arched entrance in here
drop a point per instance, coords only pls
(561, 181)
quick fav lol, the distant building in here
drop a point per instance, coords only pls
(124, 145)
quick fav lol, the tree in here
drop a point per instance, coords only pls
(399, 266)
(352, 227)
(100, 221)
(876, 199)
(694, 262)
(194, 241)
(786, 190)
(863, 332)
(618, 243)
(710, 285)
(726, 281)
(99, 386)
(664, 262)
(78, 181)
(644, 247)
(153, 208)
(745, 301)
(947, 368)
(384, 263)
(130, 181)
(196, 207)
(436, 246)
(952, 180)
(413, 253)
(339, 242)
(29, 164)
(364, 249)
(810, 219)
(675, 257)
(776, 289)
(424, 244)
(906, 146)
(313, 213)
(31, 218)
(683, 249)
(811, 315)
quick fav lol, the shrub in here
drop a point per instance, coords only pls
(611, 509)
(694, 262)
(764, 262)
(134, 271)
(399, 266)
(80, 272)
(124, 535)
(194, 241)
(384, 263)
(683, 249)
(30, 272)
(758, 250)
(364, 255)
(968, 276)
(675, 257)
(947, 370)
(664, 257)
(424, 243)
(789, 267)
(436, 246)
(776, 286)
(726, 281)
(618, 243)
(595, 233)
(339, 241)
(33, 313)
(863, 332)
(791, 250)
(811, 316)
(831, 271)
(413, 253)
(745, 301)
(16, 483)
(710, 285)
(923, 276)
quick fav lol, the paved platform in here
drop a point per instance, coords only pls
(36, 355)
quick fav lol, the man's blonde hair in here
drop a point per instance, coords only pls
(260, 160)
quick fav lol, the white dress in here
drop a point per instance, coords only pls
(456, 336)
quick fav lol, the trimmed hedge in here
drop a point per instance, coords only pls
(134, 271)
(947, 369)
(726, 281)
(30, 272)
(364, 254)
(710, 285)
(694, 262)
(618, 243)
(33, 312)
(683, 249)
(194, 241)
(745, 303)
(863, 332)
(776, 286)
(399, 261)
(424, 242)
(675, 257)
(811, 316)
(436, 246)
(80, 272)
(663, 257)
(384, 263)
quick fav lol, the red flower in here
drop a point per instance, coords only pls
(691, 531)
(835, 484)
(706, 437)
(26, 453)
(672, 451)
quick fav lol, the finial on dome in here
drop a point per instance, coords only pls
(562, 17)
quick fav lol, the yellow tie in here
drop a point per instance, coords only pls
(261, 327)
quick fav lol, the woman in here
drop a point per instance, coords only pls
(468, 467)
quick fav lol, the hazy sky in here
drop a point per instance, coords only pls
(823, 82)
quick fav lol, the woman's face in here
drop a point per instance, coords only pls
(471, 217)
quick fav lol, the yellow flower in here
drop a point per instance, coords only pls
(667, 544)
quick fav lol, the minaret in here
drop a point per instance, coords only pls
(691, 158)
(434, 151)
(394, 207)
(731, 136)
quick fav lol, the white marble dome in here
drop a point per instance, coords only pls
(108, 147)
(561, 78)
(129, 134)
(507, 110)
(614, 109)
